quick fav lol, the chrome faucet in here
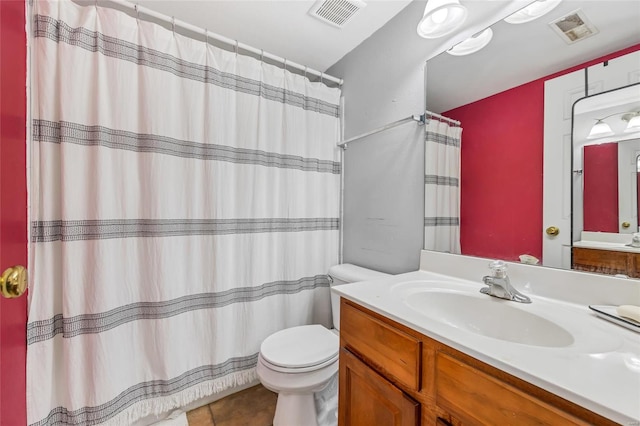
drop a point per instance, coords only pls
(499, 285)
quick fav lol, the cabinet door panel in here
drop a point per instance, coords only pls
(366, 398)
(477, 398)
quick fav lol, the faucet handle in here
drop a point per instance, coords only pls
(498, 267)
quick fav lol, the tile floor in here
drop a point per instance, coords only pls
(251, 407)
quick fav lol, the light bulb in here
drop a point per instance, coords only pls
(634, 124)
(439, 16)
(600, 130)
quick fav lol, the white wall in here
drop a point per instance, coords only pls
(384, 174)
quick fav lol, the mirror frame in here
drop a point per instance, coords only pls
(573, 146)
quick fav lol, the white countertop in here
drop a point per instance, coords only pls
(606, 241)
(603, 245)
(599, 371)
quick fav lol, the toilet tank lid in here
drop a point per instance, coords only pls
(351, 273)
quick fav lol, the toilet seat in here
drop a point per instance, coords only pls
(300, 349)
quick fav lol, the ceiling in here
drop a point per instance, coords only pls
(518, 54)
(283, 28)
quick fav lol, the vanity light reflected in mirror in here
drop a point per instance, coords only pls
(601, 129)
(441, 17)
(633, 120)
(472, 44)
(533, 11)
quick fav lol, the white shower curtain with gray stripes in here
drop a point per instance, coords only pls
(184, 206)
(442, 187)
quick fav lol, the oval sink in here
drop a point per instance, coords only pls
(489, 317)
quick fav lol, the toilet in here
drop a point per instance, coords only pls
(299, 362)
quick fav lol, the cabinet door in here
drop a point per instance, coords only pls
(367, 398)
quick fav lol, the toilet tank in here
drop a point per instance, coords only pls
(344, 274)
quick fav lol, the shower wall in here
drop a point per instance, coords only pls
(384, 173)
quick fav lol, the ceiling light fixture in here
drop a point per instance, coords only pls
(441, 17)
(600, 130)
(633, 120)
(472, 44)
(533, 11)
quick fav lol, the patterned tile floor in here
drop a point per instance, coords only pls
(251, 407)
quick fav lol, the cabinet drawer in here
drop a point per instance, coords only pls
(602, 261)
(478, 398)
(387, 349)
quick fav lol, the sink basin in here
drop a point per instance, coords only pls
(487, 316)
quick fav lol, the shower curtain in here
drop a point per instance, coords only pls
(442, 187)
(184, 206)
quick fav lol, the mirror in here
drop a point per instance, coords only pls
(605, 181)
(498, 95)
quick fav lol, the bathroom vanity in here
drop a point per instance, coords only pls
(392, 375)
(606, 253)
(425, 348)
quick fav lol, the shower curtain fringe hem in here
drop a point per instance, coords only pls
(161, 405)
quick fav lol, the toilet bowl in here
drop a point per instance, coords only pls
(299, 362)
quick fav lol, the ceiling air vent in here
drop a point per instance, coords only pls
(574, 27)
(336, 12)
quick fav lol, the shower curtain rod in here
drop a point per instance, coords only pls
(136, 8)
(421, 119)
(418, 118)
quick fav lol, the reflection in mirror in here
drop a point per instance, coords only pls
(498, 95)
(609, 187)
(605, 167)
(605, 183)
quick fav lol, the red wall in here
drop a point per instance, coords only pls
(501, 180)
(13, 208)
(600, 180)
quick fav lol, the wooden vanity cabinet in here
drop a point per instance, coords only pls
(393, 375)
(370, 399)
(606, 261)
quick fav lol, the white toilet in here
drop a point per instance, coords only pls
(298, 362)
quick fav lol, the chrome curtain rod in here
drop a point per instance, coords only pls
(421, 119)
(417, 118)
(137, 9)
